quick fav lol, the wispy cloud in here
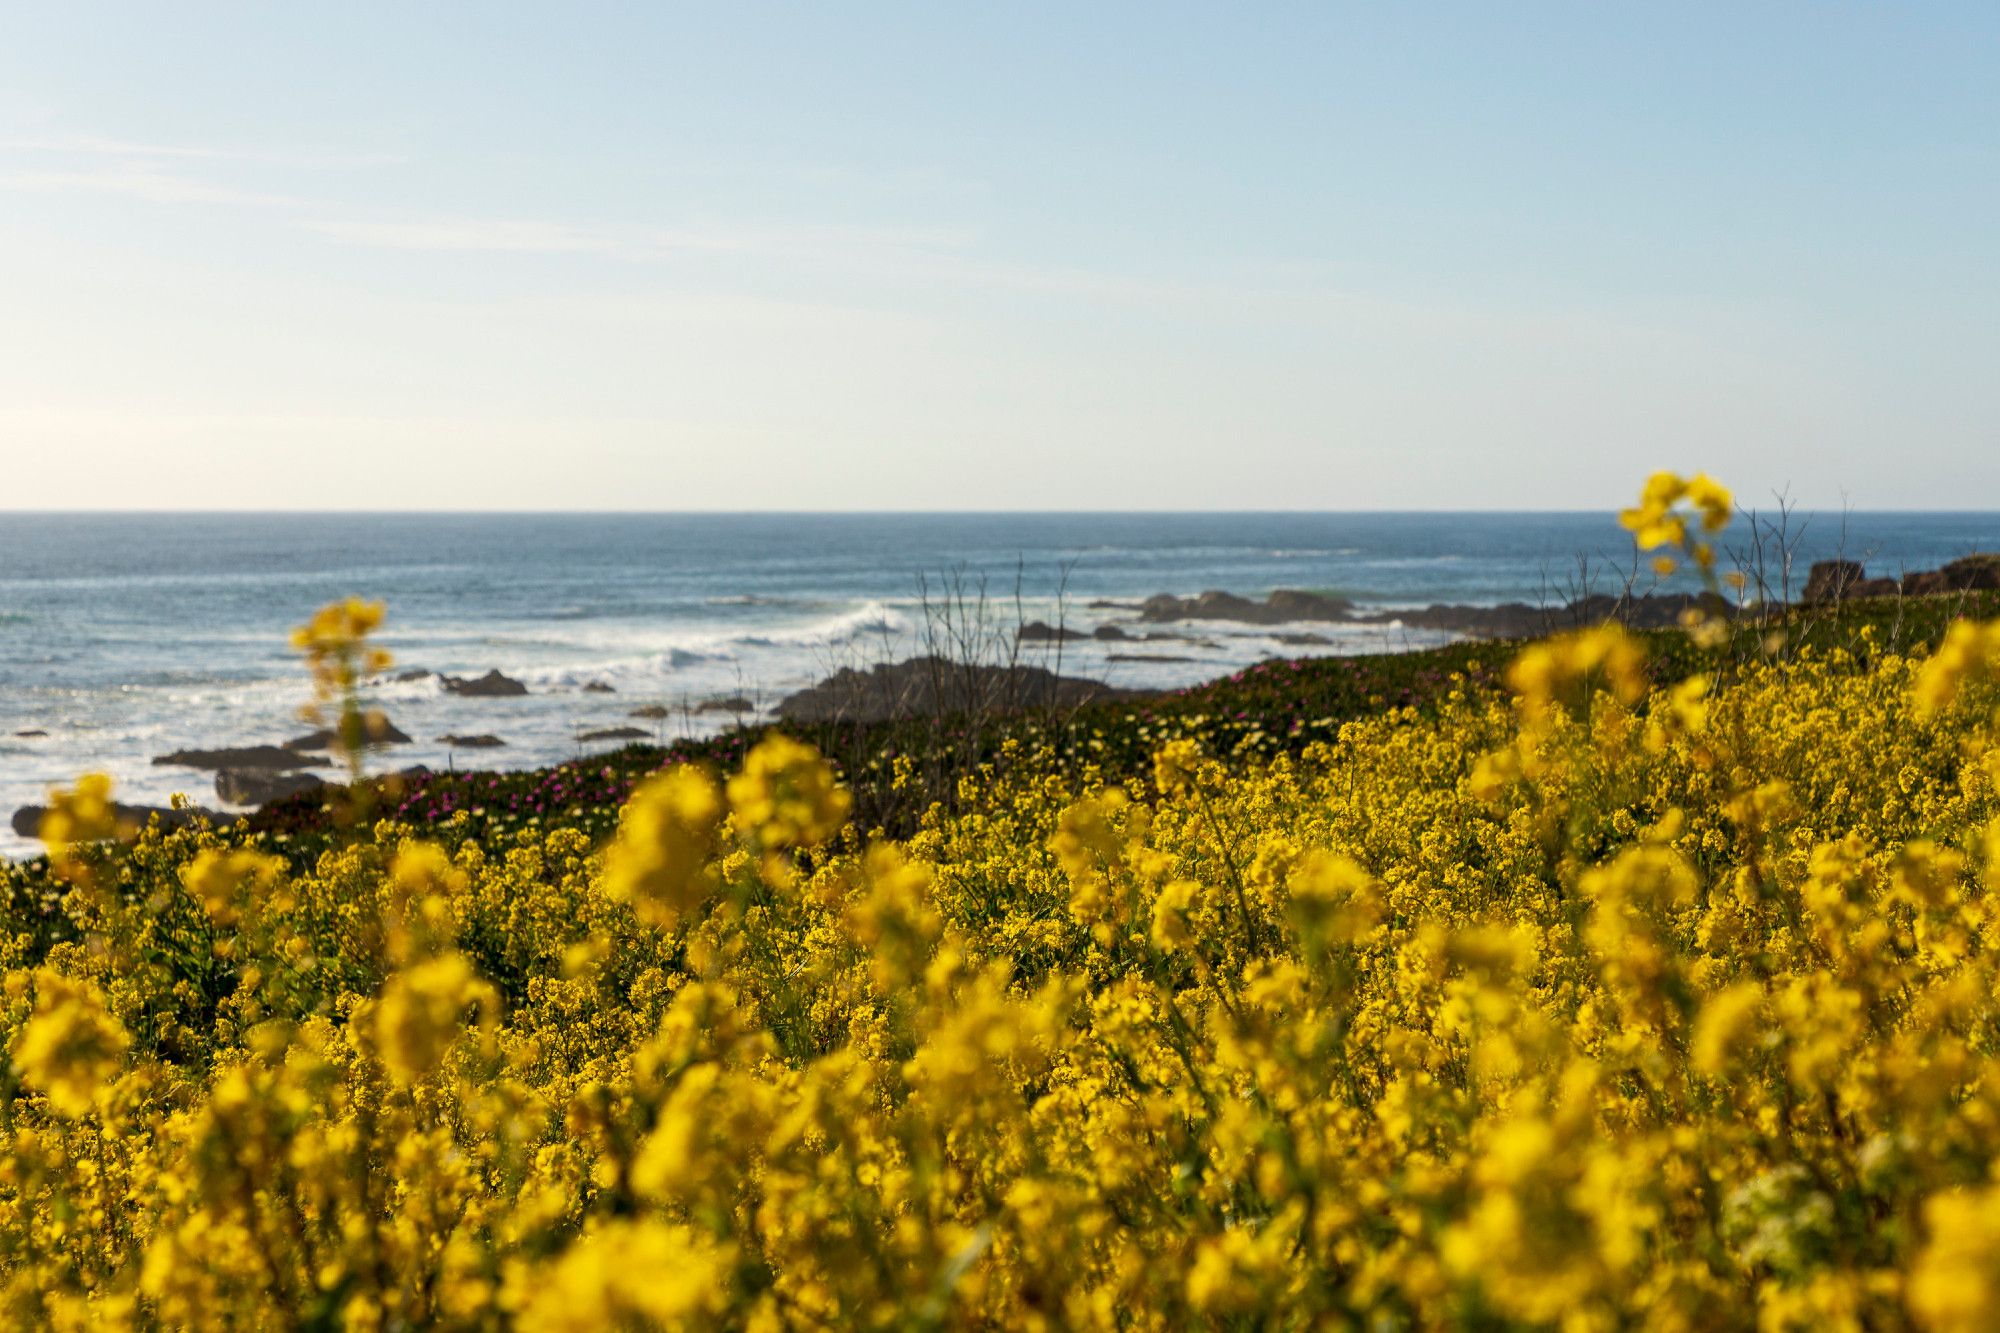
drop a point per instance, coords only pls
(148, 183)
(627, 241)
(469, 235)
(98, 146)
(924, 256)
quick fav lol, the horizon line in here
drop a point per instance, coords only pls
(246, 512)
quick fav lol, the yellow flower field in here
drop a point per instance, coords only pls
(1597, 1005)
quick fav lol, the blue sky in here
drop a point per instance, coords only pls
(843, 256)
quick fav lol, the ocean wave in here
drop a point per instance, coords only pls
(868, 620)
(651, 659)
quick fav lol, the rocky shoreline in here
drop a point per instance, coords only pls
(1827, 581)
(1292, 606)
(1161, 628)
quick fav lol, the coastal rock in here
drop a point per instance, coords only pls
(492, 685)
(254, 786)
(1518, 620)
(31, 733)
(652, 712)
(1036, 631)
(733, 704)
(935, 686)
(598, 687)
(28, 819)
(267, 757)
(381, 731)
(1110, 633)
(1972, 573)
(1844, 580)
(617, 734)
(1831, 580)
(1286, 604)
(1291, 604)
(1302, 640)
(482, 741)
(414, 673)
(1145, 657)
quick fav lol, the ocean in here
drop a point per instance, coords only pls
(124, 636)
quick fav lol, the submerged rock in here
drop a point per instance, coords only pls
(478, 742)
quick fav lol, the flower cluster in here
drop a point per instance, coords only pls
(340, 659)
(1686, 1021)
(1659, 519)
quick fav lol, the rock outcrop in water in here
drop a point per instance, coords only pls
(380, 732)
(1518, 620)
(617, 734)
(1507, 621)
(269, 757)
(1284, 606)
(492, 685)
(1037, 631)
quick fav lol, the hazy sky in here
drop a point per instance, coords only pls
(1005, 256)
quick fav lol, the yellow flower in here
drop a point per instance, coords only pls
(340, 659)
(786, 795)
(1656, 521)
(1170, 915)
(1725, 1021)
(1970, 652)
(85, 814)
(421, 1013)
(218, 876)
(630, 1274)
(1174, 765)
(1333, 900)
(1955, 1281)
(1711, 500)
(659, 861)
(1564, 671)
(71, 1046)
